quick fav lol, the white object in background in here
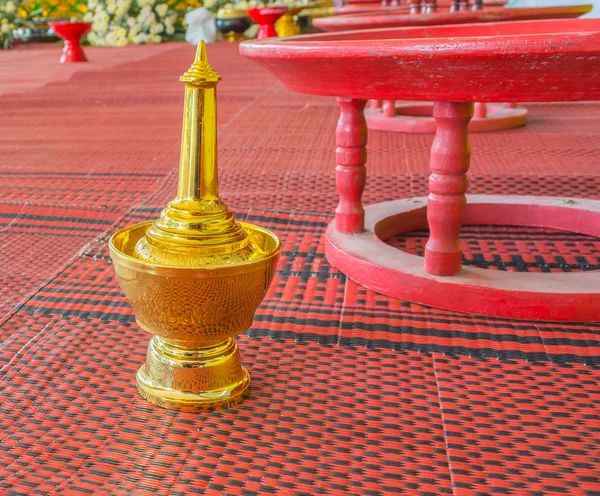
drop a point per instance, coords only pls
(201, 26)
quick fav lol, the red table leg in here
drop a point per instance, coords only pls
(351, 156)
(480, 110)
(415, 7)
(389, 108)
(430, 7)
(450, 157)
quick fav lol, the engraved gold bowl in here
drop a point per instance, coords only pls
(192, 362)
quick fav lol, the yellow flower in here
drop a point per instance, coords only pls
(4, 28)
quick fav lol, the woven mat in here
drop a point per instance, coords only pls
(352, 392)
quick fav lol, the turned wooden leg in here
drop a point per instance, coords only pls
(415, 7)
(350, 173)
(480, 110)
(450, 157)
(374, 104)
(389, 108)
(455, 6)
(430, 7)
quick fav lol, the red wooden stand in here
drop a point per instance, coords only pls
(72, 32)
(266, 17)
(443, 65)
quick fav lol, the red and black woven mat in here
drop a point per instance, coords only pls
(352, 392)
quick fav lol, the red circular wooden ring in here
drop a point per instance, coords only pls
(368, 260)
(417, 117)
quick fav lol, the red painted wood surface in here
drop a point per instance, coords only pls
(369, 261)
(389, 108)
(391, 19)
(496, 62)
(72, 32)
(417, 117)
(266, 17)
(350, 173)
(480, 110)
(405, 122)
(390, 8)
(448, 183)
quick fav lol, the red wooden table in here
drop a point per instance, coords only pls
(540, 61)
(400, 19)
(417, 117)
(400, 8)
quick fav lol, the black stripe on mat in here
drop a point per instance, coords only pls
(356, 342)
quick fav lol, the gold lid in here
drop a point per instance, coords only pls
(196, 229)
(200, 73)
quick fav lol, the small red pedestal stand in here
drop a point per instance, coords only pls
(452, 70)
(266, 17)
(72, 32)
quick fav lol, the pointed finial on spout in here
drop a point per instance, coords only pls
(201, 53)
(201, 74)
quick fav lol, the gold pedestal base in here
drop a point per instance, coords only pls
(232, 37)
(193, 379)
(287, 25)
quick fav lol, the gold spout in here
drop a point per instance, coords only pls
(196, 228)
